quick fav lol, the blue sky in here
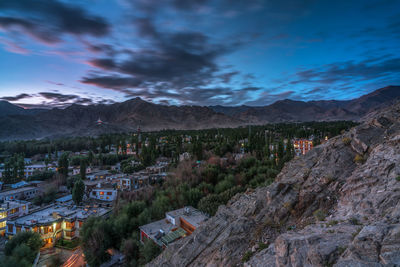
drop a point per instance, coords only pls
(195, 52)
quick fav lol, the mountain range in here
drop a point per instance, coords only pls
(77, 120)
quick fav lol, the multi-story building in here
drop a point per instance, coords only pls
(104, 193)
(302, 146)
(10, 210)
(54, 222)
(32, 169)
(21, 193)
(177, 224)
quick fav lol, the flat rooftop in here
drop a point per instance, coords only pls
(17, 190)
(53, 213)
(189, 214)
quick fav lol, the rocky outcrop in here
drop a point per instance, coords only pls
(339, 205)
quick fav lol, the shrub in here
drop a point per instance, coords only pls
(262, 246)
(319, 215)
(246, 257)
(359, 158)
(346, 141)
(341, 250)
(331, 223)
(354, 221)
(398, 178)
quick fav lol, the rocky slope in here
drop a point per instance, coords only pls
(339, 205)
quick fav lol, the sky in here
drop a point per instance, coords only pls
(196, 52)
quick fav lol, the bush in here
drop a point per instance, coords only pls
(22, 248)
(346, 141)
(246, 257)
(319, 215)
(354, 221)
(149, 251)
(359, 159)
(398, 178)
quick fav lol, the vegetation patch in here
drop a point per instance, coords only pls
(346, 141)
(67, 244)
(246, 257)
(319, 215)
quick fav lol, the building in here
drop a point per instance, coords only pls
(54, 222)
(32, 169)
(105, 193)
(177, 224)
(302, 146)
(65, 199)
(77, 170)
(10, 210)
(98, 175)
(21, 193)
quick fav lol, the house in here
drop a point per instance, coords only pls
(10, 210)
(32, 169)
(65, 199)
(302, 146)
(22, 193)
(177, 224)
(77, 170)
(105, 192)
(98, 175)
(54, 222)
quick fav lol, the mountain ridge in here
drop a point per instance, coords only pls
(77, 120)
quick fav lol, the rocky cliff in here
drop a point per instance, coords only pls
(339, 205)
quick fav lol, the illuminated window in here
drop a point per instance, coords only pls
(109, 193)
(101, 193)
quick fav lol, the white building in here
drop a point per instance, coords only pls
(105, 194)
(11, 210)
(22, 193)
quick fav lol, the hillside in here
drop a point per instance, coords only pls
(80, 120)
(336, 206)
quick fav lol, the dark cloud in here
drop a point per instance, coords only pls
(367, 69)
(58, 97)
(179, 65)
(49, 20)
(15, 98)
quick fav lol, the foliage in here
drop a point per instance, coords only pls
(247, 255)
(96, 235)
(21, 250)
(63, 164)
(319, 215)
(149, 251)
(68, 244)
(14, 169)
(346, 141)
(78, 191)
(359, 158)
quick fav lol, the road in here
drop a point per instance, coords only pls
(75, 260)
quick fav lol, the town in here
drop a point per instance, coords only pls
(138, 192)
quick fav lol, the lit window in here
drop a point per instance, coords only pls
(101, 193)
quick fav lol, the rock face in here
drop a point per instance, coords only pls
(339, 205)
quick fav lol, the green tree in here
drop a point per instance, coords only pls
(97, 237)
(149, 251)
(83, 169)
(78, 191)
(63, 164)
(21, 250)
